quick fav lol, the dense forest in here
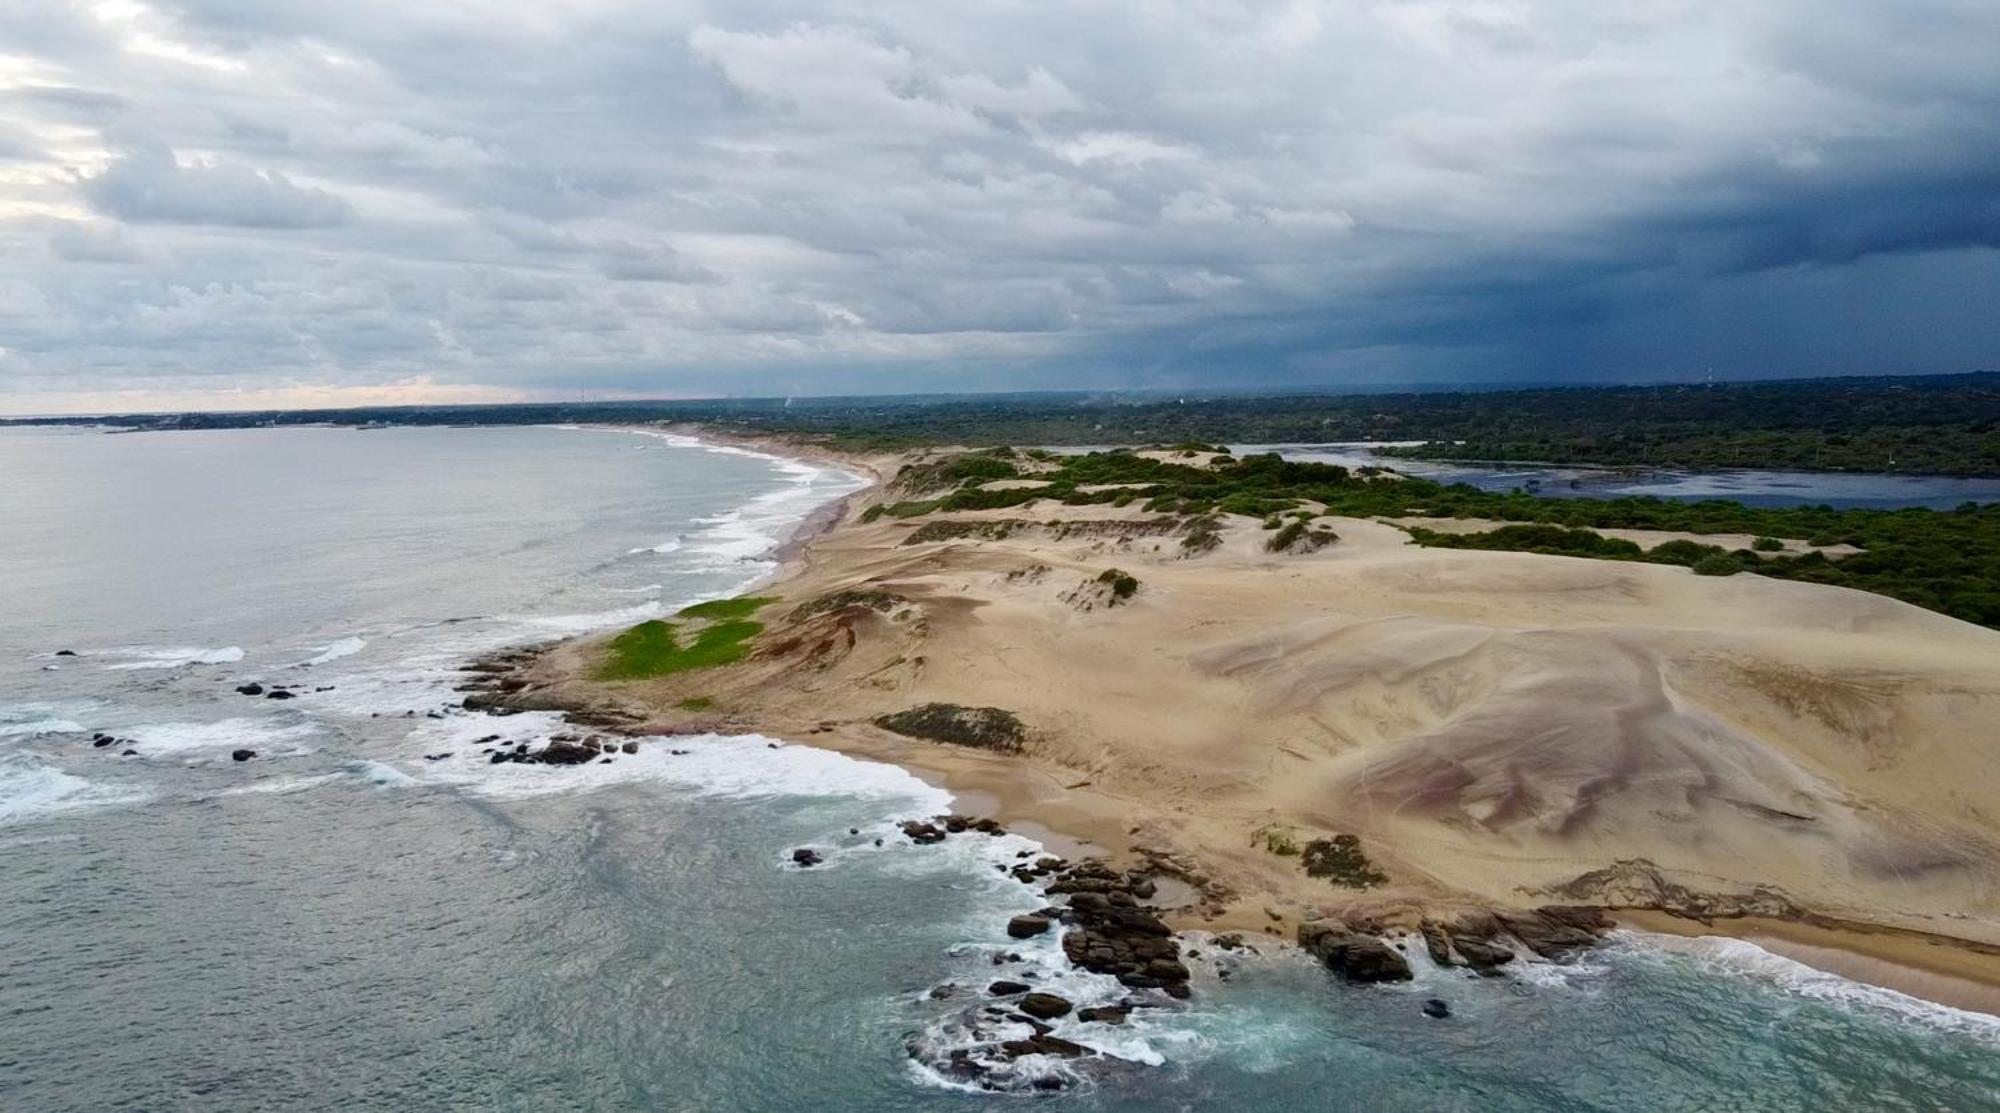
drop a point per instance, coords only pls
(1948, 425)
(1947, 561)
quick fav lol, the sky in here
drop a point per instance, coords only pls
(244, 203)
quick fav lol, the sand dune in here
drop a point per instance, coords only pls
(1496, 727)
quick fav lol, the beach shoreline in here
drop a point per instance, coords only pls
(1082, 814)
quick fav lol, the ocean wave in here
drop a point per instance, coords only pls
(1722, 955)
(663, 547)
(334, 651)
(170, 657)
(752, 530)
(278, 786)
(25, 727)
(31, 788)
(159, 739)
(589, 621)
(380, 773)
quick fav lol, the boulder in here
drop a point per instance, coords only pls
(1044, 1006)
(1355, 957)
(807, 856)
(1023, 927)
(252, 689)
(278, 693)
(921, 833)
(242, 755)
(1436, 1008)
(1007, 989)
(1103, 1014)
(1041, 1043)
(564, 753)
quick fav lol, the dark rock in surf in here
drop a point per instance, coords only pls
(1436, 1009)
(1103, 1014)
(1044, 1006)
(1041, 1043)
(279, 693)
(242, 755)
(252, 689)
(921, 833)
(1353, 956)
(65, 653)
(806, 856)
(1023, 927)
(1007, 989)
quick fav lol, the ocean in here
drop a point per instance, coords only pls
(367, 915)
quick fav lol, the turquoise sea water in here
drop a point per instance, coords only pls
(340, 923)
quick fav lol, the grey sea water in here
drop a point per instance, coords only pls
(343, 923)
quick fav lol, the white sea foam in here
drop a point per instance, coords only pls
(30, 728)
(334, 651)
(752, 530)
(673, 546)
(161, 739)
(278, 786)
(642, 589)
(585, 623)
(734, 766)
(1742, 958)
(170, 657)
(31, 788)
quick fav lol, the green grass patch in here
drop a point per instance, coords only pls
(657, 648)
(720, 610)
(695, 703)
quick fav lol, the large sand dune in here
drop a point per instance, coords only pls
(1496, 727)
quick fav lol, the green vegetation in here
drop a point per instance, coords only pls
(1768, 545)
(1947, 561)
(695, 703)
(721, 636)
(717, 610)
(1123, 584)
(1340, 860)
(1276, 839)
(1300, 536)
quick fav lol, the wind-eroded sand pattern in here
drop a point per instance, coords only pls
(1498, 727)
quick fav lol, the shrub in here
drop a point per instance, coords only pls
(1717, 564)
(1340, 860)
(1124, 585)
(1769, 545)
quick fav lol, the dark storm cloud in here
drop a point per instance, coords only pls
(777, 197)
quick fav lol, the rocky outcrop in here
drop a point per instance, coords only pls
(985, 728)
(1355, 957)
(561, 749)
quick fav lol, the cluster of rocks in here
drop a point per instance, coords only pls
(1480, 940)
(934, 830)
(1105, 929)
(562, 749)
(103, 741)
(277, 691)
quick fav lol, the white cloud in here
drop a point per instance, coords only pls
(760, 194)
(148, 185)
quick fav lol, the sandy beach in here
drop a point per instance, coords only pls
(1781, 761)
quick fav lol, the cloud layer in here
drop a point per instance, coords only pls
(456, 198)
